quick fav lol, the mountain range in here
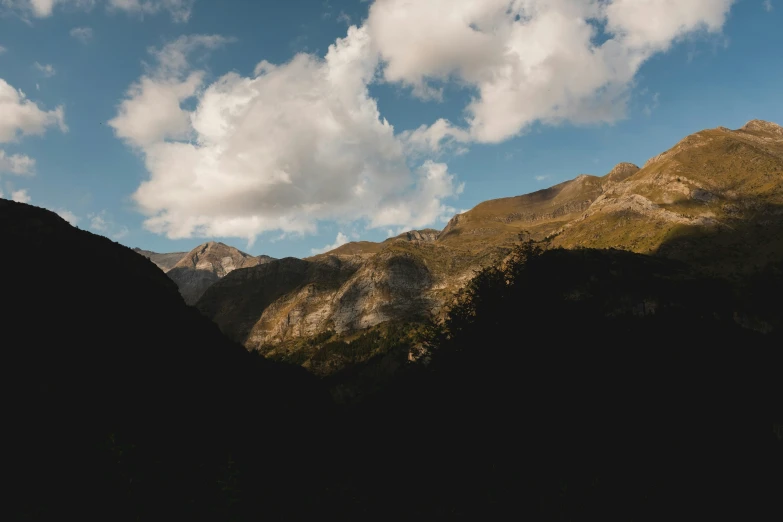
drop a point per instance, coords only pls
(564, 382)
(197, 270)
(714, 200)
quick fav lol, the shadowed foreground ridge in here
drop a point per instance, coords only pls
(563, 385)
(122, 403)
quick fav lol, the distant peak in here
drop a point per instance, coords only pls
(622, 171)
(762, 126)
(623, 166)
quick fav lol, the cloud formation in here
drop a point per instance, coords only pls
(83, 34)
(18, 164)
(297, 143)
(105, 225)
(532, 60)
(46, 70)
(68, 216)
(283, 149)
(179, 10)
(20, 196)
(20, 116)
(339, 241)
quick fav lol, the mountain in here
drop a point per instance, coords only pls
(584, 385)
(713, 199)
(195, 271)
(122, 403)
(204, 265)
(163, 261)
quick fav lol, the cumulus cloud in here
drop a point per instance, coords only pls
(20, 116)
(435, 138)
(768, 6)
(532, 60)
(46, 70)
(68, 216)
(289, 146)
(339, 241)
(151, 111)
(18, 164)
(20, 196)
(179, 10)
(83, 34)
(102, 223)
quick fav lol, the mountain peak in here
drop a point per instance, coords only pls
(621, 171)
(766, 127)
(205, 264)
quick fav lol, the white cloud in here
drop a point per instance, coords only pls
(151, 111)
(542, 178)
(433, 138)
(653, 104)
(68, 216)
(533, 60)
(83, 34)
(768, 6)
(99, 222)
(339, 241)
(19, 116)
(179, 10)
(104, 224)
(46, 70)
(18, 164)
(3, 49)
(20, 196)
(290, 146)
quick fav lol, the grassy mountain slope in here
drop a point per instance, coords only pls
(714, 199)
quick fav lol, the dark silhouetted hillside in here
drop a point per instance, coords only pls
(583, 385)
(123, 403)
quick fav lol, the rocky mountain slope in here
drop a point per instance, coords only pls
(195, 271)
(204, 265)
(714, 199)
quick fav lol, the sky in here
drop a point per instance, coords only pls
(289, 128)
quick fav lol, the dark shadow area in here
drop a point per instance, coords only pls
(122, 403)
(192, 282)
(565, 385)
(582, 385)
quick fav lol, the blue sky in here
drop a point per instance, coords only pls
(152, 122)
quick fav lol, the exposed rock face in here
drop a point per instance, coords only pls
(206, 264)
(716, 179)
